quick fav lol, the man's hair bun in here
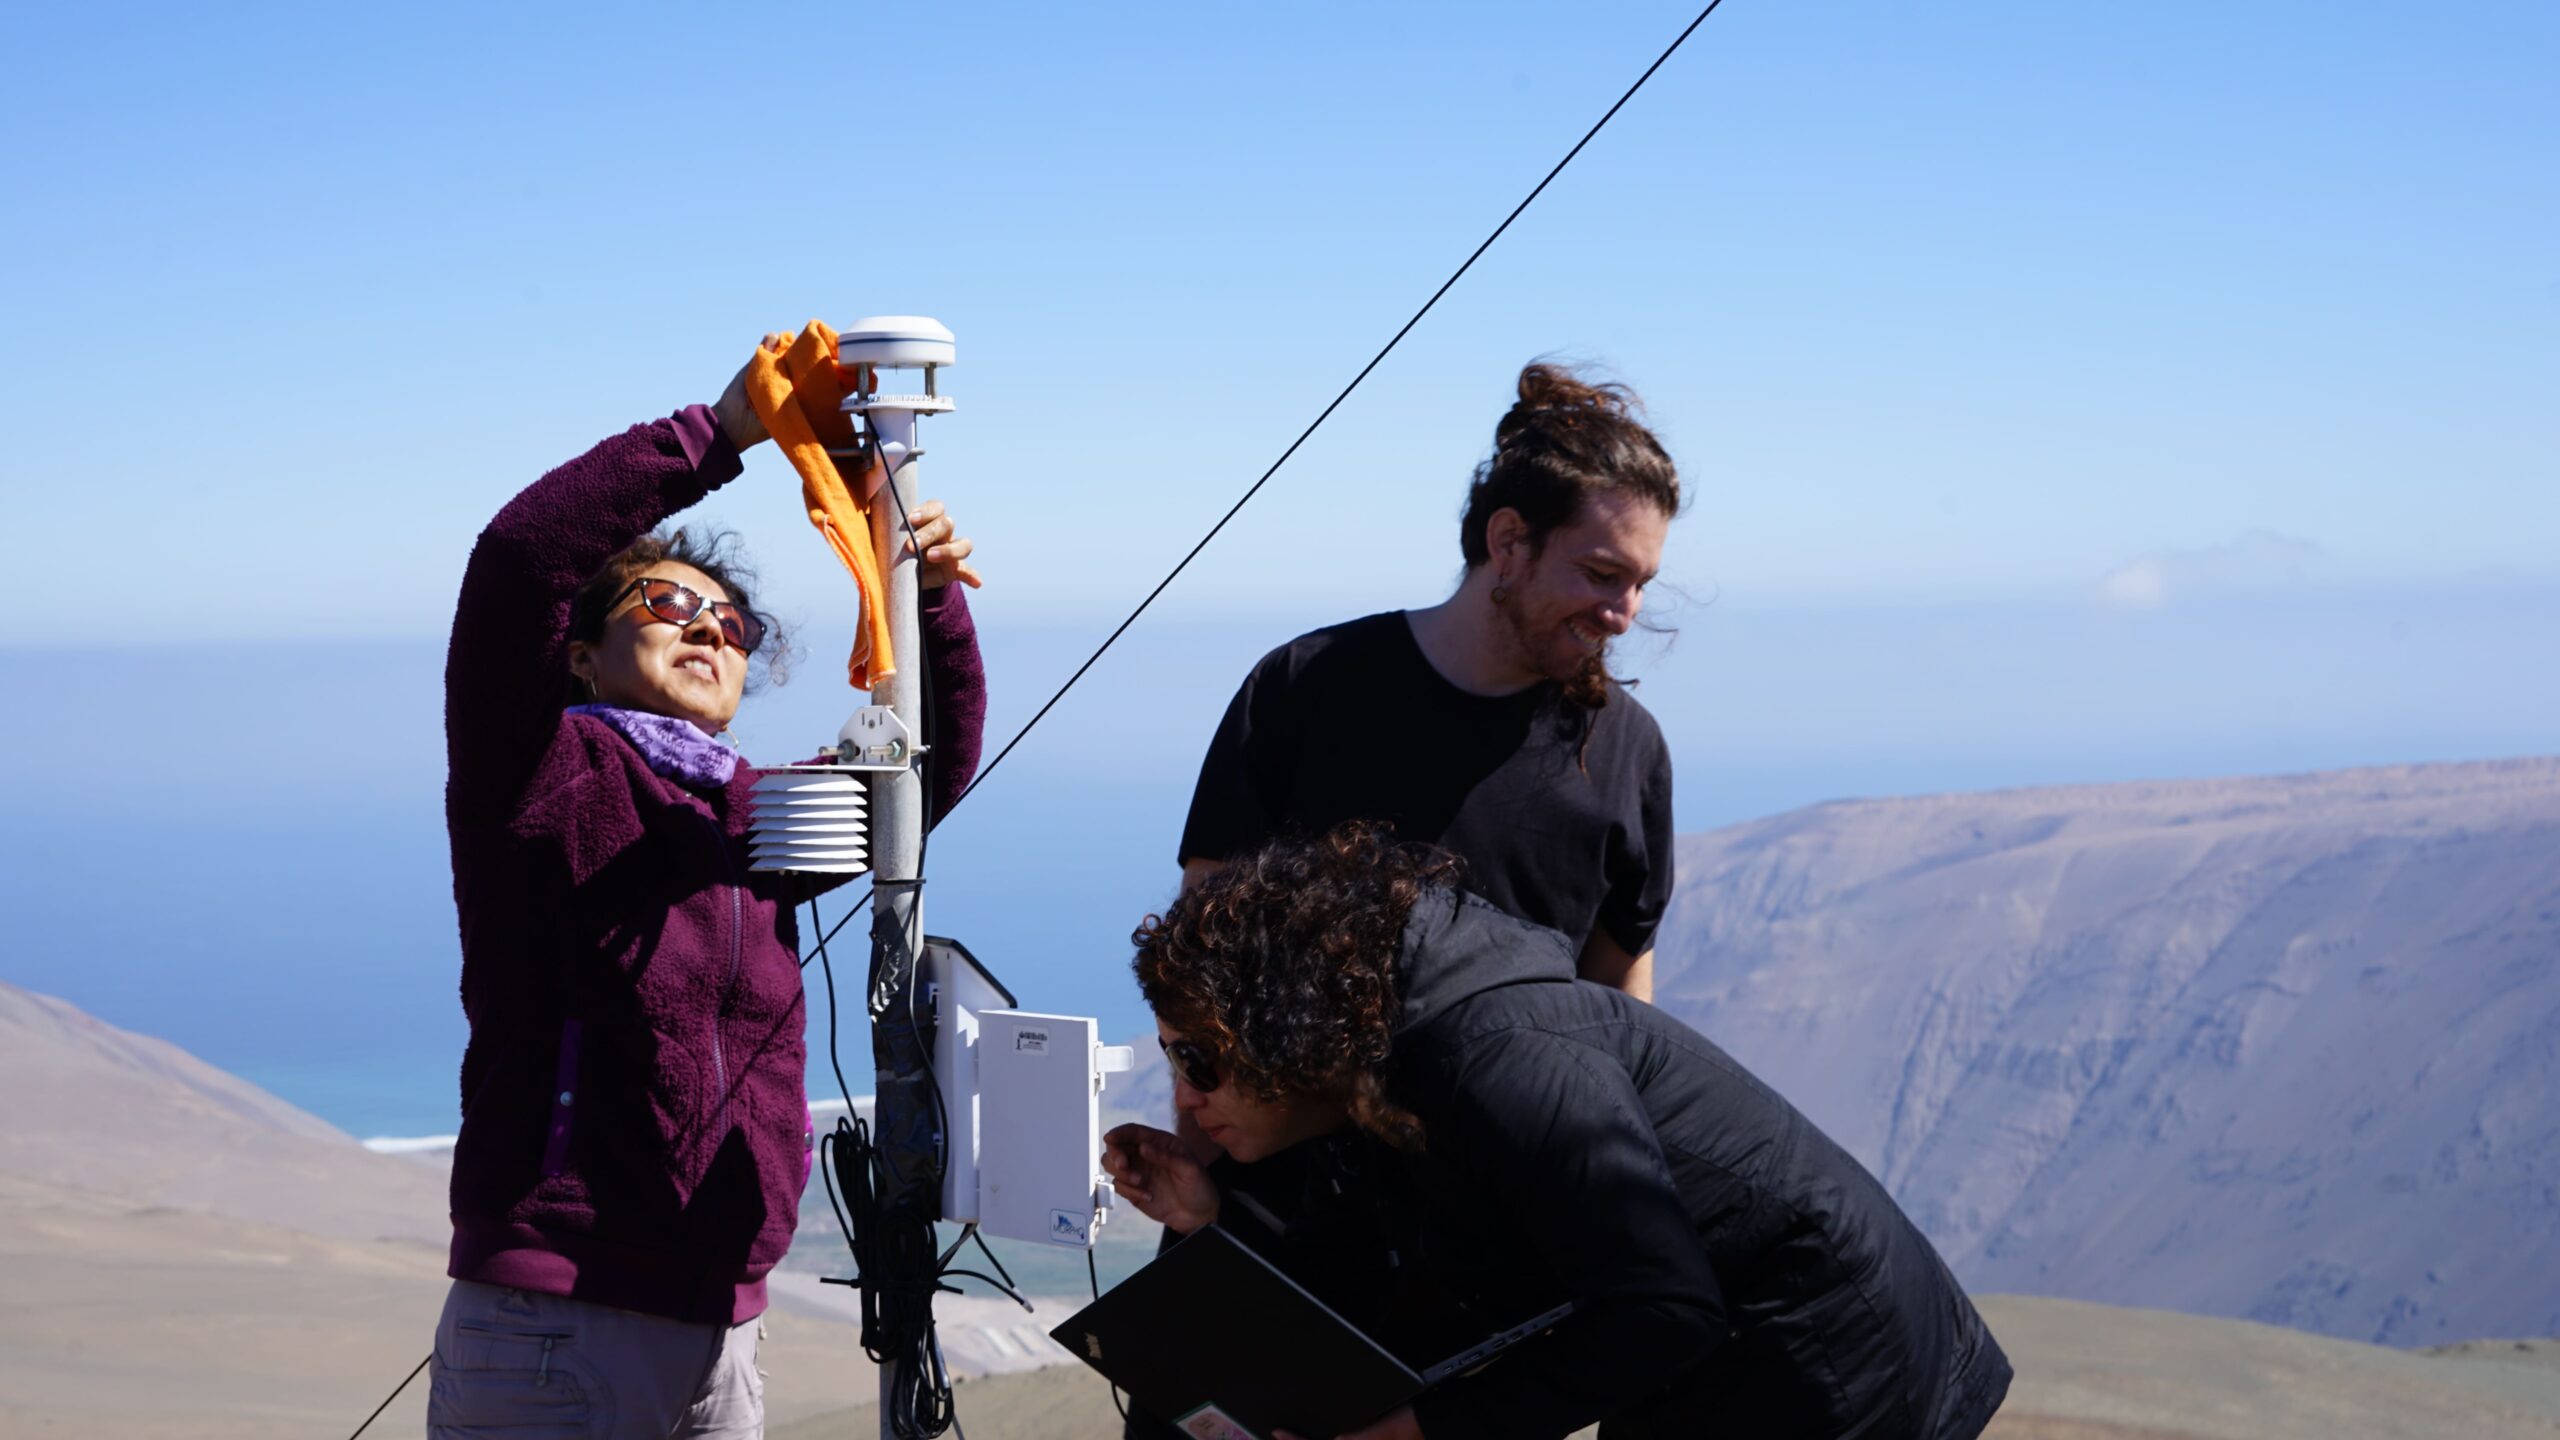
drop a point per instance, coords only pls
(1563, 440)
(1551, 395)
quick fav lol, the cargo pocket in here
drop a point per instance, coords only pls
(521, 1384)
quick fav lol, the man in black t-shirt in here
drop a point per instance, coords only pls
(1561, 813)
(1488, 724)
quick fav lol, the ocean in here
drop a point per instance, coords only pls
(240, 848)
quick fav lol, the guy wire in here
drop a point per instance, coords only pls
(1327, 413)
(1232, 511)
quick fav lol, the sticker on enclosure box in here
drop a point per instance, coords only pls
(1031, 1042)
(1211, 1423)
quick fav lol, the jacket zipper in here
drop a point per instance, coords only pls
(728, 988)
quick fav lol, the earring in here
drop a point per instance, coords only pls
(1501, 592)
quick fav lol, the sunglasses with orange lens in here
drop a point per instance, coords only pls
(677, 604)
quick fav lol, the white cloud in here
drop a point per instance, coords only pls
(2258, 561)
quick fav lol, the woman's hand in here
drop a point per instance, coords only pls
(1154, 1171)
(1399, 1426)
(945, 550)
(736, 413)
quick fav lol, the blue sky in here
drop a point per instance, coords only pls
(2067, 393)
(1930, 301)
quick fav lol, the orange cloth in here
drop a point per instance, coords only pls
(798, 391)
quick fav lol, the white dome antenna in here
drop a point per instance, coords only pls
(897, 342)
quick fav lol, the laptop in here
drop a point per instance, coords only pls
(1217, 1340)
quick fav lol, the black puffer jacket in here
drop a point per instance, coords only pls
(1736, 1272)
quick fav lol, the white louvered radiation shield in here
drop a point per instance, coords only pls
(811, 818)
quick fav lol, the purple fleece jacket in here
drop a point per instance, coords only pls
(634, 1130)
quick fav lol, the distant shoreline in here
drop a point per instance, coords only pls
(408, 1144)
(429, 1144)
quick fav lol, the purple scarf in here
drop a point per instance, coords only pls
(676, 749)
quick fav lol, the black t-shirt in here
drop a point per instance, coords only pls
(1561, 813)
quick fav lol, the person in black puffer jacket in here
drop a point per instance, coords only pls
(1519, 1139)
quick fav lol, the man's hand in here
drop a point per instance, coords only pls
(1154, 1171)
(1399, 1426)
(945, 551)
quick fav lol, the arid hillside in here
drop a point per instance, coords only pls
(2281, 1049)
(184, 1255)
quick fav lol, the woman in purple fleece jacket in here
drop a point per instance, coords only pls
(634, 1134)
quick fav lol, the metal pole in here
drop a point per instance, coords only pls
(897, 797)
(901, 1117)
(908, 1130)
(904, 1120)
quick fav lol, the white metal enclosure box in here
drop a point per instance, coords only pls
(959, 990)
(1039, 1127)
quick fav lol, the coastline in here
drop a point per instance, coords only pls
(440, 1147)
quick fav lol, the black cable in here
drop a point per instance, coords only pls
(924, 842)
(817, 922)
(394, 1395)
(857, 909)
(827, 969)
(897, 1268)
(894, 1282)
(841, 1134)
(1256, 488)
(978, 1235)
(1009, 1292)
(1093, 1272)
(920, 1389)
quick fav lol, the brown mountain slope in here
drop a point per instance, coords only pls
(2282, 1049)
(184, 1255)
(98, 1109)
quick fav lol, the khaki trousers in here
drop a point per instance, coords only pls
(522, 1366)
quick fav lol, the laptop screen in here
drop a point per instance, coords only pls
(1214, 1339)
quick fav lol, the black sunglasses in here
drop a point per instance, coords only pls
(677, 604)
(1199, 1068)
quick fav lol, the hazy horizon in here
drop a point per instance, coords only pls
(2055, 398)
(240, 847)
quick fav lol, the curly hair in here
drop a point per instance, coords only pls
(1283, 966)
(717, 554)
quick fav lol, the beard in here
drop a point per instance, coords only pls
(1557, 655)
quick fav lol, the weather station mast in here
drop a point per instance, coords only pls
(862, 805)
(981, 1114)
(907, 1128)
(906, 1122)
